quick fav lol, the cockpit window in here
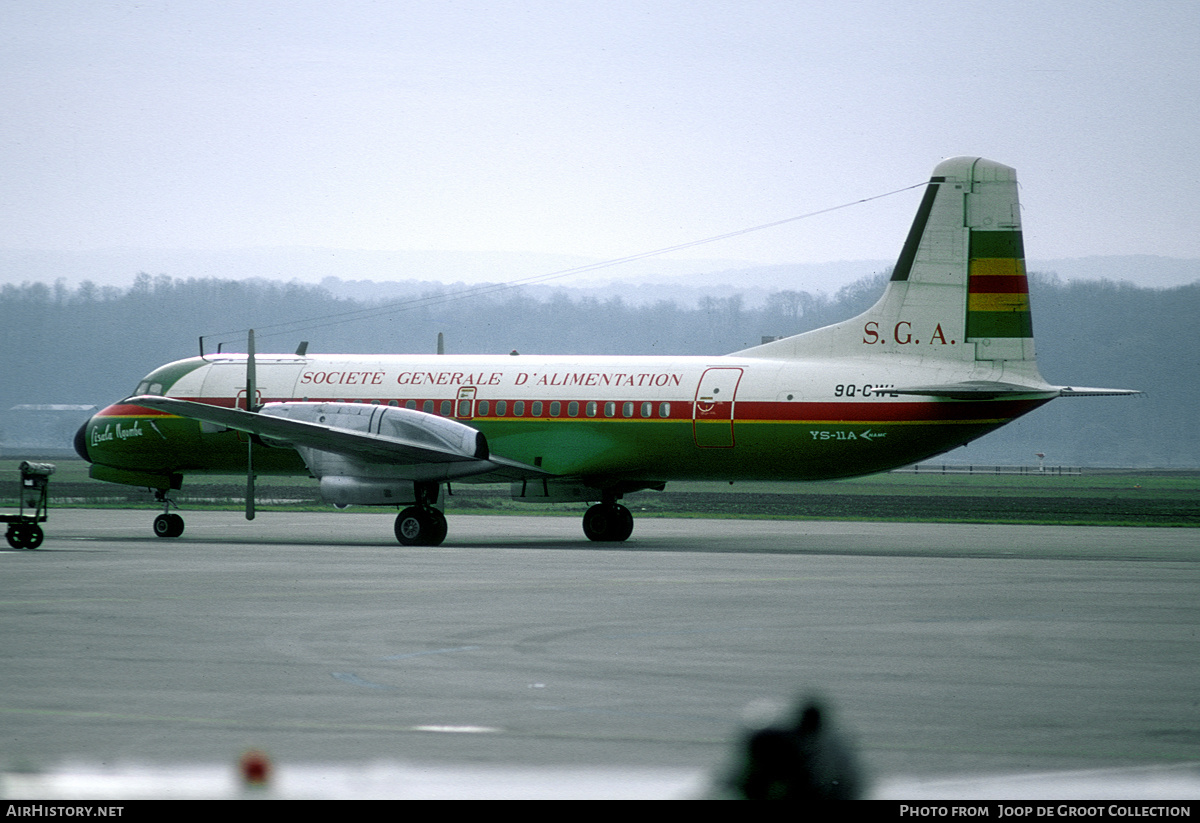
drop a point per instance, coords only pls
(143, 387)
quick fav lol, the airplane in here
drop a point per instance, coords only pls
(945, 356)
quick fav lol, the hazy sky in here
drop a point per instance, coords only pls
(599, 128)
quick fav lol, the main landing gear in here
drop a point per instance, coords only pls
(608, 522)
(167, 524)
(421, 524)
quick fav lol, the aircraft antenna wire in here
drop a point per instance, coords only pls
(409, 304)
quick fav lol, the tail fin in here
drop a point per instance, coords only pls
(958, 291)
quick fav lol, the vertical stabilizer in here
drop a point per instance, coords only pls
(958, 291)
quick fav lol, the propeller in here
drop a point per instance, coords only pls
(251, 388)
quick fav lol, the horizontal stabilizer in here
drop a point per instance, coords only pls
(990, 390)
(1082, 391)
(973, 390)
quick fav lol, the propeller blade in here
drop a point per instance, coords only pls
(251, 400)
(249, 481)
(251, 404)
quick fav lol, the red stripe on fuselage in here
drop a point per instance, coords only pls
(130, 410)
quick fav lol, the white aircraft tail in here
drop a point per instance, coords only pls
(958, 291)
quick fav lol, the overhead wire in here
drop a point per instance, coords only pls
(408, 304)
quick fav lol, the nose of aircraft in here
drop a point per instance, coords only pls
(81, 441)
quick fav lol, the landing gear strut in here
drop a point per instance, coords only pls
(608, 522)
(422, 524)
(167, 524)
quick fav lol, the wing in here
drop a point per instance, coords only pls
(371, 434)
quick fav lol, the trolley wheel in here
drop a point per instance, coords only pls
(24, 535)
(33, 536)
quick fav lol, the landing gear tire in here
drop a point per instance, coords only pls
(168, 525)
(608, 523)
(421, 526)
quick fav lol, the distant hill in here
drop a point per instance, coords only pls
(372, 275)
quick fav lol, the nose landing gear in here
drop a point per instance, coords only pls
(167, 524)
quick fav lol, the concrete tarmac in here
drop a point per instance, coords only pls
(943, 649)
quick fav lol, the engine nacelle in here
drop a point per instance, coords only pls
(410, 426)
(441, 450)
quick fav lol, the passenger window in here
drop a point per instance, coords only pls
(501, 408)
(410, 404)
(610, 409)
(664, 409)
(627, 410)
(481, 408)
(537, 408)
(427, 407)
(519, 408)
(647, 409)
(447, 408)
(591, 408)
(555, 409)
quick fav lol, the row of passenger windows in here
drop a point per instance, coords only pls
(537, 408)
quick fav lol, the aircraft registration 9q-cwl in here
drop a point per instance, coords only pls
(945, 356)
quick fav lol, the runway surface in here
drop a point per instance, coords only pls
(948, 652)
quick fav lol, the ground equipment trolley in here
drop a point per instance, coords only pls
(23, 529)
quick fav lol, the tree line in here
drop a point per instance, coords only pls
(91, 345)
